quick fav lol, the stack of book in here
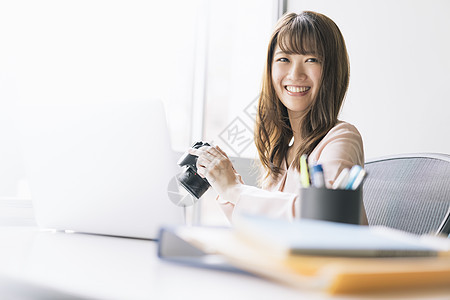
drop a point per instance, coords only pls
(335, 257)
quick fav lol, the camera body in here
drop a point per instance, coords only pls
(189, 178)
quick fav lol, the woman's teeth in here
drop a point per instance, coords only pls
(297, 89)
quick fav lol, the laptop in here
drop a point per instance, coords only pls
(100, 168)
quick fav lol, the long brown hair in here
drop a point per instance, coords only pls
(304, 33)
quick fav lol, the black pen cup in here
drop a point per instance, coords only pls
(331, 205)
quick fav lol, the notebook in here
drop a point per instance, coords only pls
(286, 239)
(99, 168)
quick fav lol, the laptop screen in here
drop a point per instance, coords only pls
(99, 168)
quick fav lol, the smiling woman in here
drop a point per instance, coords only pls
(307, 70)
(305, 80)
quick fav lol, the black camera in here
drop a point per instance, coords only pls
(189, 179)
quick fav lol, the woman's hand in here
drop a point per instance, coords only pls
(214, 165)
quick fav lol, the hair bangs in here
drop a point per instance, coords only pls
(299, 37)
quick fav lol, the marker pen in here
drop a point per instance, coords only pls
(304, 173)
(354, 172)
(341, 180)
(359, 179)
(317, 178)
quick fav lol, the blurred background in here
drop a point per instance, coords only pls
(204, 60)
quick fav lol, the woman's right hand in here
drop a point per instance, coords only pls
(214, 165)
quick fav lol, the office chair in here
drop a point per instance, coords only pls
(410, 192)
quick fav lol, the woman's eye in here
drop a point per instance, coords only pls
(312, 59)
(283, 59)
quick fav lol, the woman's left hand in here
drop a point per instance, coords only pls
(214, 165)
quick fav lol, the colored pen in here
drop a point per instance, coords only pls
(359, 179)
(354, 172)
(304, 174)
(341, 180)
(317, 176)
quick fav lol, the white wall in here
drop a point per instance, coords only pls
(93, 50)
(400, 71)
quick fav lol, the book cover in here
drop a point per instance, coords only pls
(313, 237)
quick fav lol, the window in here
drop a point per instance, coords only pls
(235, 42)
(238, 33)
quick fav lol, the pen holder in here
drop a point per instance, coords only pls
(331, 205)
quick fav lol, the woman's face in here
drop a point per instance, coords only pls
(296, 79)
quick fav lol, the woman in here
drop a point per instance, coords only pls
(305, 81)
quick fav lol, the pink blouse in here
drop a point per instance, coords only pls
(342, 147)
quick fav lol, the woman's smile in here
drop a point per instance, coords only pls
(293, 90)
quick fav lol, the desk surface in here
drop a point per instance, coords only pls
(101, 267)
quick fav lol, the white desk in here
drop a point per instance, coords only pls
(47, 265)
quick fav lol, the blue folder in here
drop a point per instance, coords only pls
(174, 249)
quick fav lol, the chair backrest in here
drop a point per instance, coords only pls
(410, 192)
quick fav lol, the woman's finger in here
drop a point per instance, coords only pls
(201, 171)
(201, 152)
(196, 152)
(203, 161)
(221, 151)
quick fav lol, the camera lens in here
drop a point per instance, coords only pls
(193, 183)
(189, 179)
